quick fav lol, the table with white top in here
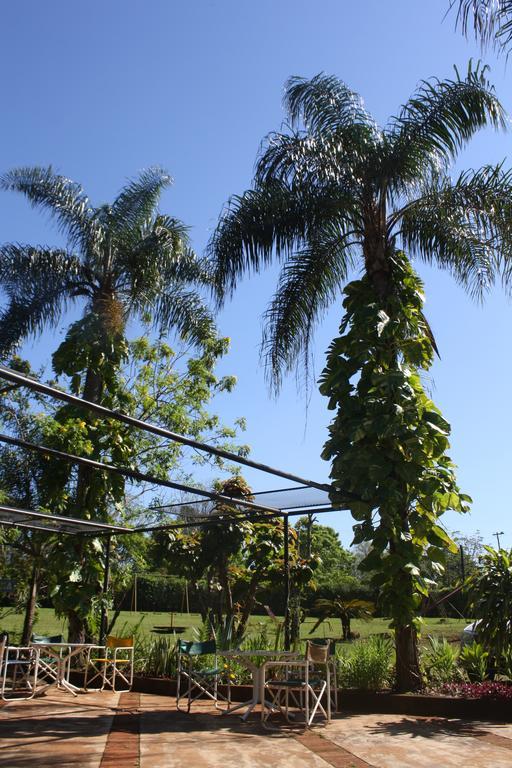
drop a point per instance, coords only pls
(63, 653)
(257, 671)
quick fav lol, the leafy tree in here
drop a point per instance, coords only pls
(344, 610)
(323, 542)
(491, 600)
(230, 562)
(171, 389)
(336, 191)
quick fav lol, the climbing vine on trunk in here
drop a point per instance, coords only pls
(388, 446)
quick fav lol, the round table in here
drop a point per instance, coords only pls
(247, 659)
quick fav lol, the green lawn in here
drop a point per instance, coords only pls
(48, 624)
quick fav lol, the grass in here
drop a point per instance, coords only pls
(48, 624)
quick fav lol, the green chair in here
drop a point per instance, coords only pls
(48, 665)
(201, 681)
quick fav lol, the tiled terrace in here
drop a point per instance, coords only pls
(101, 730)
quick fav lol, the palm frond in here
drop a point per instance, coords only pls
(437, 122)
(309, 282)
(271, 219)
(490, 21)
(324, 104)
(326, 161)
(137, 201)
(184, 311)
(26, 270)
(64, 199)
(22, 319)
(38, 283)
(465, 226)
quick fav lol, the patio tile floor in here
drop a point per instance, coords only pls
(106, 730)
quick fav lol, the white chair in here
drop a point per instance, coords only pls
(299, 685)
(114, 667)
(18, 671)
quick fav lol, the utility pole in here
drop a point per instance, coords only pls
(498, 534)
(462, 566)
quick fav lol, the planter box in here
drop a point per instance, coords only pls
(352, 700)
(386, 702)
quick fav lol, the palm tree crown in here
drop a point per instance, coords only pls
(336, 189)
(124, 259)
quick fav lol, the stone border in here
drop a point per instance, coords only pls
(123, 741)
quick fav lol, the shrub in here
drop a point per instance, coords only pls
(368, 665)
(474, 661)
(486, 690)
(439, 661)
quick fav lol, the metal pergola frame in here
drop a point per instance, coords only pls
(243, 509)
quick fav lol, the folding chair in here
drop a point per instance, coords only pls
(18, 671)
(200, 681)
(115, 664)
(332, 668)
(48, 664)
(300, 686)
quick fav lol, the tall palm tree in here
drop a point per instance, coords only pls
(335, 192)
(123, 260)
(490, 20)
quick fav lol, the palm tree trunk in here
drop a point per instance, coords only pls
(408, 676)
(377, 252)
(93, 388)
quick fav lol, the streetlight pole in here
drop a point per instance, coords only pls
(498, 534)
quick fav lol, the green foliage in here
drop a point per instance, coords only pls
(231, 560)
(439, 660)
(368, 665)
(345, 610)
(474, 660)
(388, 441)
(336, 565)
(491, 600)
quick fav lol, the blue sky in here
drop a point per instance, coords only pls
(103, 89)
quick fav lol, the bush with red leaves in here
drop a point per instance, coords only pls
(486, 690)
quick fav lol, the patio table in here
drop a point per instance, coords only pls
(257, 672)
(63, 653)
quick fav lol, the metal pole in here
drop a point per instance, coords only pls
(106, 579)
(45, 389)
(498, 534)
(286, 531)
(133, 474)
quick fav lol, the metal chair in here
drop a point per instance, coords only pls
(299, 685)
(18, 671)
(201, 681)
(48, 664)
(115, 664)
(332, 668)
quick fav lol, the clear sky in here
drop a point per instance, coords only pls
(105, 88)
